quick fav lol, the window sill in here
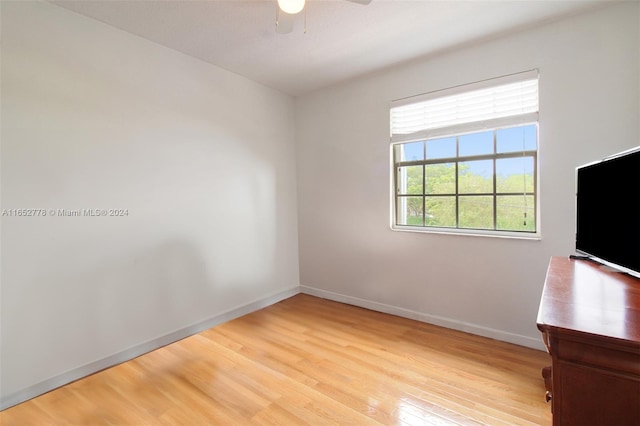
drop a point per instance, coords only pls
(470, 232)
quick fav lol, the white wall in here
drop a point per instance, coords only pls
(589, 108)
(203, 159)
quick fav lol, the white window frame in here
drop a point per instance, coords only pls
(410, 123)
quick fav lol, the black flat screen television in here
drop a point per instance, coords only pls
(608, 211)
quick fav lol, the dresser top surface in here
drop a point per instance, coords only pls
(586, 297)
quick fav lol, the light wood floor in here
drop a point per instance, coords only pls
(307, 360)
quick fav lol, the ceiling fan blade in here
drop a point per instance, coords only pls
(284, 22)
(363, 2)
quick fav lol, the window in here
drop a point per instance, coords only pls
(467, 162)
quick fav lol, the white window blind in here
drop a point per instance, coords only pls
(491, 103)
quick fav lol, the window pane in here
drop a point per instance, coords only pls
(441, 211)
(410, 180)
(476, 144)
(514, 175)
(515, 213)
(475, 177)
(413, 151)
(409, 211)
(441, 148)
(516, 139)
(476, 212)
(440, 178)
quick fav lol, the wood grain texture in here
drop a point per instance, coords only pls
(589, 316)
(307, 360)
(591, 299)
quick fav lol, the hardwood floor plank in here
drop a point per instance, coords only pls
(307, 360)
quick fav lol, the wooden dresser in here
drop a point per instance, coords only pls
(589, 317)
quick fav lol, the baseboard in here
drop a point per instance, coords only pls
(492, 333)
(143, 348)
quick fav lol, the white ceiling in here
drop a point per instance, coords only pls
(343, 39)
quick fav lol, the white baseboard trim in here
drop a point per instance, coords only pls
(137, 350)
(492, 333)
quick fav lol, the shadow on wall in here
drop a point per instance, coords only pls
(103, 311)
(163, 286)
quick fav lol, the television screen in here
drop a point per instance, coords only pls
(608, 211)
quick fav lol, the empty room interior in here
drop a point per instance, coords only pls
(209, 217)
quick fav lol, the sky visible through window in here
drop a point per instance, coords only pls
(512, 139)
